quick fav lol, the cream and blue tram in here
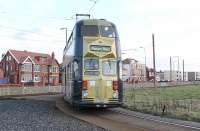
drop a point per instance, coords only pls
(92, 70)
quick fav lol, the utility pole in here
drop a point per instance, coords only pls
(64, 28)
(178, 69)
(183, 70)
(154, 61)
(170, 63)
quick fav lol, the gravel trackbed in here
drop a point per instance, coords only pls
(32, 115)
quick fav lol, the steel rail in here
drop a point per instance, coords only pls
(155, 120)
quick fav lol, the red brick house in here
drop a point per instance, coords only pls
(1, 73)
(30, 68)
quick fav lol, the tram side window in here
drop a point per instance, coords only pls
(76, 70)
(69, 71)
(65, 75)
(89, 30)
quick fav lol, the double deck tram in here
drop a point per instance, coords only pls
(92, 66)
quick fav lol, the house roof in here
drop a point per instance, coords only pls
(22, 56)
(128, 61)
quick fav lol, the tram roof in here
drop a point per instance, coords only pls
(102, 22)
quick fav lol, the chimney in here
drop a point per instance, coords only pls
(53, 55)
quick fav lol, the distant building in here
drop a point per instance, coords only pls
(177, 76)
(197, 76)
(30, 68)
(133, 71)
(149, 74)
(172, 75)
(160, 76)
(193, 76)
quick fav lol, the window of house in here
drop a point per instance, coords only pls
(37, 68)
(9, 57)
(55, 69)
(26, 78)
(27, 67)
(52, 79)
(6, 67)
(45, 68)
(43, 59)
(50, 69)
(37, 78)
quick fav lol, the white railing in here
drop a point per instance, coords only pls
(9, 91)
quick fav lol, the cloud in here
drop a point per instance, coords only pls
(20, 36)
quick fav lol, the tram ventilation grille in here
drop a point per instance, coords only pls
(88, 99)
(113, 100)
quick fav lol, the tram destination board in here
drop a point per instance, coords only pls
(100, 48)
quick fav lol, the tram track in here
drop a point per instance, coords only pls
(157, 119)
(119, 120)
(96, 118)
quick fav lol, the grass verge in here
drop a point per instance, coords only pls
(182, 102)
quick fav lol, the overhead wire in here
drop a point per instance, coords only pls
(95, 2)
(26, 31)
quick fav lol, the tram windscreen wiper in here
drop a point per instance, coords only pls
(109, 63)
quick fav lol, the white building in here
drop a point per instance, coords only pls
(132, 71)
(172, 75)
(177, 76)
(193, 76)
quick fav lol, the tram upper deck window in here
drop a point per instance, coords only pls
(89, 30)
(91, 64)
(107, 31)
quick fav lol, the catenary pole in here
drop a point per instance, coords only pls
(154, 61)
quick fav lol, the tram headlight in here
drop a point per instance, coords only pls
(84, 93)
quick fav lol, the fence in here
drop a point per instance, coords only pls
(160, 84)
(183, 103)
(9, 91)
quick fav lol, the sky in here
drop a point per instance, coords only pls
(34, 25)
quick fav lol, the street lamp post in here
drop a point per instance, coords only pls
(64, 28)
(145, 60)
